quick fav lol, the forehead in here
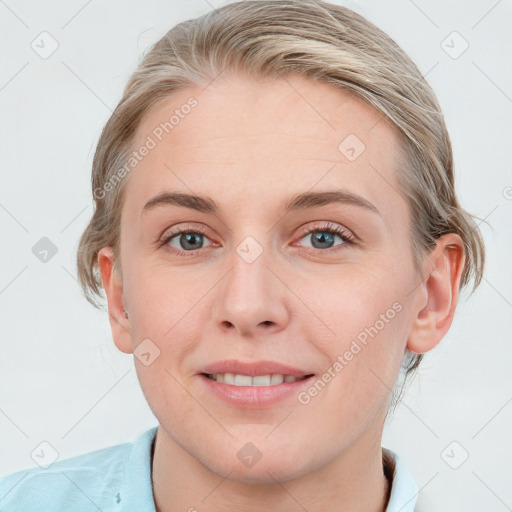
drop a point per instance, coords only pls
(264, 138)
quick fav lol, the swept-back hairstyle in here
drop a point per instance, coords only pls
(273, 38)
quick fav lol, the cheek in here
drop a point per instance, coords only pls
(363, 335)
(171, 310)
(358, 303)
(166, 301)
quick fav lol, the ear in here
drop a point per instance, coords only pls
(438, 295)
(113, 285)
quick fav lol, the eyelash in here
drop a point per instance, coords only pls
(328, 227)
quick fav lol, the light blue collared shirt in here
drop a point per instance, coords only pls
(118, 479)
(404, 491)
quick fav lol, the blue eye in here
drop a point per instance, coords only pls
(188, 240)
(323, 237)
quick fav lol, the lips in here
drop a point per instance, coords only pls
(254, 369)
(257, 385)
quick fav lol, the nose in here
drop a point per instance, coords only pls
(252, 299)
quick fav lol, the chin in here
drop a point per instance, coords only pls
(250, 467)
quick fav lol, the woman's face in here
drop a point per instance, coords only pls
(261, 277)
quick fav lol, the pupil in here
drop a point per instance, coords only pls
(322, 238)
(187, 240)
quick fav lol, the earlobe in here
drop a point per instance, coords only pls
(113, 286)
(438, 294)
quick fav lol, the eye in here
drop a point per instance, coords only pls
(184, 241)
(322, 237)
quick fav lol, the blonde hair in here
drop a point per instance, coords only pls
(273, 38)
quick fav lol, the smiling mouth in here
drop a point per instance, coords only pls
(258, 380)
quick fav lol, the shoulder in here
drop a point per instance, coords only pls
(109, 479)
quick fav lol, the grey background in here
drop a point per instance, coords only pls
(61, 378)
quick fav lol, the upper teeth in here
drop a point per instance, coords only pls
(247, 380)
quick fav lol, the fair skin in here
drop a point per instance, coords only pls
(250, 146)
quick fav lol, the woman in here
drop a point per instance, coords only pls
(278, 235)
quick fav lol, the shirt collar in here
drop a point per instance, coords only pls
(404, 491)
(139, 485)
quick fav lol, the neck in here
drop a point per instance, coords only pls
(361, 482)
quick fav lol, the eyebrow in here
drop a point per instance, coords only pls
(298, 202)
